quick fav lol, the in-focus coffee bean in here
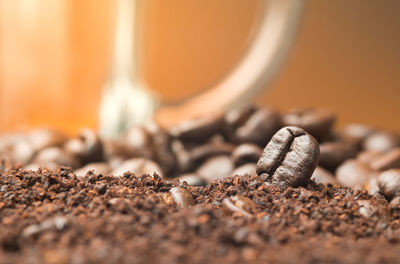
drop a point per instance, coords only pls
(290, 158)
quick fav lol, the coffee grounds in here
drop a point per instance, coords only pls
(49, 217)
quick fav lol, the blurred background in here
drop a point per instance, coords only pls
(55, 54)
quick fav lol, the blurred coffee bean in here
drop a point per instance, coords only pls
(368, 156)
(43, 138)
(181, 196)
(353, 173)
(161, 148)
(203, 152)
(245, 169)
(366, 209)
(48, 165)
(139, 167)
(394, 204)
(235, 118)
(239, 204)
(199, 129)
(192, 179)
(372, 185)
(58, 156)
(356, 133)
(218, 167)
(389, 160)
(389, 183)
(21, 152)
(323, 176)
(246, 153)
(96, 167)
(332, 154)
(136, 142)
(381, 141)
(182, 156)
(290, 158)
(259, 127)
(87, 146)
(317, 122)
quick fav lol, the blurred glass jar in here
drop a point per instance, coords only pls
(71, 64)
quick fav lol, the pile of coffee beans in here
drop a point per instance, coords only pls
(251, 184)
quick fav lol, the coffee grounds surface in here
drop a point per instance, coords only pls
(56, 217)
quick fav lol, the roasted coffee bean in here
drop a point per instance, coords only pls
(240, 205)
(368, 156)
(139, 167)
(87, 146)
(389, 183)
(199, 129)
(58, 156)
(97, 168)
(394, 204)
(203, 152)
(136, 142)
(44, 138)
(389, 160)
(21, 152)
(366, 209)
(353, 173)
(372, 185)
(161, 148)
(259, 127)
(245, 169)
(48, 165)
(192, 179)
(218, 167)
(290, 158)
(246, 153)
(183, 158)
(238, 116)
(181, 196)
(323, 176)
(356, 133)
(317, 122)
(332, 154)
(381, 141)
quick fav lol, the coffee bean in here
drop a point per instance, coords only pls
(323, 176)
(199, 129)
(368, 156)
(238, 116)
(22, 152)
(317, 122)
(245, 169)
(201, 153)
(58, 156)
(394, 204)
(44, 138)
(192, 179)
(332, 154)
(136, 142)
(240, 205)
(356, 133)
(366, 209)
(259, 127)
(372, 185)
(181, 196)
(381, 141)
(218, 167)
(36, 166)
(183, 158)
(353, 173)
(389, 160)
(138, 166)
(87, 146)
(246, 153)
(97, 167)
(161, 147)
(290, 158)
(389, 183)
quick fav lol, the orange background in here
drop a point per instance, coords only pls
(346, 57)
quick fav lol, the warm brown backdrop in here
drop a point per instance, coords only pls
(346, 57)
